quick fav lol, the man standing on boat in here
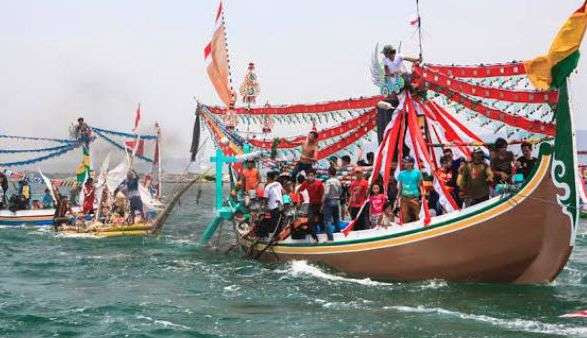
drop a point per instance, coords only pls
(134, 197)
(274, 195)
(250, 176)
(308, 156)
(89, 196)
(525, 163)
(474, 179)
(394, 69)
(315, 190)
(410, 189)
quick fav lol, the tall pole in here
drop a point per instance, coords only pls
(159, 183)
(419, 26)
(223, 23)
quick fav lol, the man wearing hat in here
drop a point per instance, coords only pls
(410, 189)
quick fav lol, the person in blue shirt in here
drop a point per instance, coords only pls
(410, 190)
(47, 200)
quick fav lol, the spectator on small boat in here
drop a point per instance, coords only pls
(62, 211)
(24, 191)
(89, 192)
(331, 203)
(315, 190)
(308, 155)
(274, 196)
(3, 189)
(119, 205)
(410, 189)
(134, 197)
(474, 179)
(501, 161)
(359, 192)
(250, 176)
(47, 199)
(526, 163)
(377, 200)
(393, 68)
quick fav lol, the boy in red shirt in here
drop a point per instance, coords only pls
(359, 192)
(315, 190)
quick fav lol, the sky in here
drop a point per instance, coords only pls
(62, 59)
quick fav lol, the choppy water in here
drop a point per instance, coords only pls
(167, 286)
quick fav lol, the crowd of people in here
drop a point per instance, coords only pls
(327, 201)
(123, 206)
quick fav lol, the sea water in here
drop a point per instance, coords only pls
(54, 285)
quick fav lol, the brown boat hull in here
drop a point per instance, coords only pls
(525, 238)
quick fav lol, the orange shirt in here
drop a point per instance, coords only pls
(251, 178)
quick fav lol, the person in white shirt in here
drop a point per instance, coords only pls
(274, 196)
(393, 68)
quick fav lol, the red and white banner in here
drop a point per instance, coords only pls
(524, 96)
(480, 71)
(315, 108)
(296, 141)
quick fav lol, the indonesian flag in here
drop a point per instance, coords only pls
(137, 118)
(414, 20)
(218, 69)
(132, 147)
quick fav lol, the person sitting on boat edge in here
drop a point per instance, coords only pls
(377, 200)
(475, 179)
(526, 163)
(315, 190)
(410, 190)
(331, 204)
(273, 194)
(308, 155)
(393, 68)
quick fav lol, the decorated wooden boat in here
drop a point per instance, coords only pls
(525, 234)
(103, 231)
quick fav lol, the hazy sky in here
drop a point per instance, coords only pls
(62, 59)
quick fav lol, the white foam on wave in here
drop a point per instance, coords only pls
(300, 268)
(522, 325)
(163, 323)
(433, 284)
(76, 235)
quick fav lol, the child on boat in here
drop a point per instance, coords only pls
(377, 200)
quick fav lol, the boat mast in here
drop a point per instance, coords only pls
(160, 181)
(419, 26)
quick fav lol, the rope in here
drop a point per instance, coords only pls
(122, 134)
(42, 158)
(114, 143)
(40, 150)
(39, 139)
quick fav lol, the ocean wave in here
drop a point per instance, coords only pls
(517, 324)
(301, 268)
(164, 323)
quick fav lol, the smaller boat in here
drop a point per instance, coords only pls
(100, 230)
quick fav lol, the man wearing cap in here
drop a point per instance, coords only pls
(308, 156)
(474, 179)
(410, 190)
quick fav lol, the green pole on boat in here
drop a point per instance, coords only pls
(222, 212)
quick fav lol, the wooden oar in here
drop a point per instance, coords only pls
(162, 217)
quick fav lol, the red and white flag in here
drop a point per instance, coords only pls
(132, 147)
(137, 118)
(414, 20)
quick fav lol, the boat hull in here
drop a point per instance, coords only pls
(41, 217)
(525, 238)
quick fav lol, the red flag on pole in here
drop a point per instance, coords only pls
(137, 118)
(140, 149)
(219, 11)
